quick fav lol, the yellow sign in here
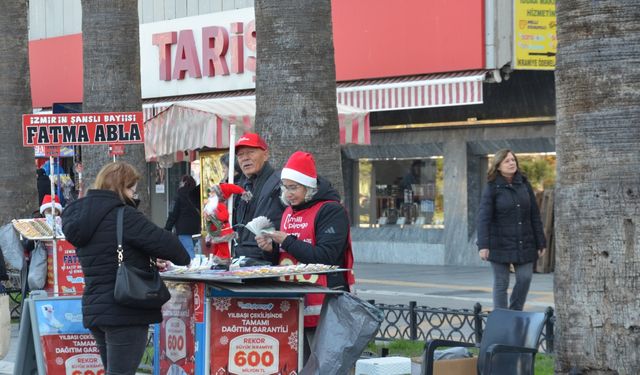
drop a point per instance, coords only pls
(535, 42)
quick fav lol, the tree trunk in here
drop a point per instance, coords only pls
(296, 83)
(18, 194)
(111, 58)
(598, 202)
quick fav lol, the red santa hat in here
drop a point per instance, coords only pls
(301, 168)
(225, 191)
(46, 203)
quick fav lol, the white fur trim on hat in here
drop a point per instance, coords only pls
(57, 206)
(303, 179)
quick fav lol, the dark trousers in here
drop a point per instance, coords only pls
(309, 335)
(121, 347)
(524, 273)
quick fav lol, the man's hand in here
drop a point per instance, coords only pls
(265, 243)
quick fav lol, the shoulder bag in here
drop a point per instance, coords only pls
(136, 287)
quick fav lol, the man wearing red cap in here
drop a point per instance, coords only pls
(259, 178)
(314, 229)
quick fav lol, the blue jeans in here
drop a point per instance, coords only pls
(121, 347)
(187, 243)
(524, 273)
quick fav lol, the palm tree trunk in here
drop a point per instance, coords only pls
(296, 83)
(598, 202)
(111, 58)
(18, 195)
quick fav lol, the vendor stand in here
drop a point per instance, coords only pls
(242, 321)
(52, 340)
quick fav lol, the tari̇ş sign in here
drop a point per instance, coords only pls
(200, 54)
(82, 129)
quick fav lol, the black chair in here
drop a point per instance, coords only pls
(508, 346)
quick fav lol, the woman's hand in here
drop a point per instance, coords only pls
(264, 242)
(484, 254)
(162, 264)
(278, 236)
(541, 252)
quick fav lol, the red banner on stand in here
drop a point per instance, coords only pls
(254, 336)
(70, 280)
(177, 331)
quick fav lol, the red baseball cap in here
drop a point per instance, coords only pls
(251, 140)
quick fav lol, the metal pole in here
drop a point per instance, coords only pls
(231, 169)
(52, 170)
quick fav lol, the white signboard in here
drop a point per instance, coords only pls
(201, 54)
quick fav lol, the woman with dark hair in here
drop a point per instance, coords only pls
(185, 215)
(89, 223)
(509, 229)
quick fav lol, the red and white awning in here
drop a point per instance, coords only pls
(171, 129)
(426, 91)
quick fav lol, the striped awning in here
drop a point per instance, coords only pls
(174, 131)
(425, 91)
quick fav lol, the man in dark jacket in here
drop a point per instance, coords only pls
(43, 184)
(264, 184)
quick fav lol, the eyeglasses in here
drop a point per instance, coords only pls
(290, 188)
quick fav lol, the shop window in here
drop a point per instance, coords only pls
(400, 192)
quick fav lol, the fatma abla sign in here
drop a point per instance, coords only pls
(82, 128)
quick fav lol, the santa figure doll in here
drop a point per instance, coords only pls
(216, 217)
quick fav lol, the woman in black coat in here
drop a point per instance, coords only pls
(185, 215)
(90, 225)
(509, 229)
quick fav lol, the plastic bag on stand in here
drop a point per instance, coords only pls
(12, 249)
(347, 324)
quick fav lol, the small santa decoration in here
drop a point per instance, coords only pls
(216, 217)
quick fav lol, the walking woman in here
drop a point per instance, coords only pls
(90, 225)
(509, 229)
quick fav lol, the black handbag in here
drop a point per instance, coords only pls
(136, 287)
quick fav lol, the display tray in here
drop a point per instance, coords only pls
(242, 274)
(36, 229)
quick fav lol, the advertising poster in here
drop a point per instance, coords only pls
(254, 336)
(177, 331)
(70, 277)
(535, 42)
(67, 347)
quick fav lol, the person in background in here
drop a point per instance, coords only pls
(259, 178)
(185, 215)
(509, 229)
(237, 172)
(43, 184)
(314, 230)
(89, 223)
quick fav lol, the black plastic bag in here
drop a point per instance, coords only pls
(347, 324)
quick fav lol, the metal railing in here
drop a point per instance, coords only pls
(419, 323)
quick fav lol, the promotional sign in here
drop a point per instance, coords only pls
(116, 150)
(177, 331)
(534, 31)
(255, 335)
(82, 128)
(67, 347)
(46, 151)
(69, 278)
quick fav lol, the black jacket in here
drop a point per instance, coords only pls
(185, 215)
(509, 222)
(331, 231)
(265, 202)
(90, 225)
(43, 184)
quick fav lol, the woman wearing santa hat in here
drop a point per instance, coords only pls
(314, 230)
